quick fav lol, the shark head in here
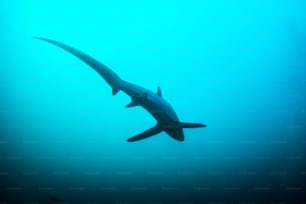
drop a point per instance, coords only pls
(176, 133)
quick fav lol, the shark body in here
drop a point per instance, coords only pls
(154, 103)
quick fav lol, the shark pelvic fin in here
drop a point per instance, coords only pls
(136, 100)
(133, 103)
(115, 91)
(159, 92)
(148, 133)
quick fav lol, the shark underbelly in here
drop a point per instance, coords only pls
(163, 117)
(150, 101)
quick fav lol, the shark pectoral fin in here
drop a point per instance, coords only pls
(159, 92)
(148, 133)
(190, 125)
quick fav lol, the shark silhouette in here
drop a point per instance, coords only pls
(154, 103)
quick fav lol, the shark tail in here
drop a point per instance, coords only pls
(109, 76)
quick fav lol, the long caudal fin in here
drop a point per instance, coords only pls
(190, 125)
(109, 76)
(148, 133)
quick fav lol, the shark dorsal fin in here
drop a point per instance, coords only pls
(159, 92)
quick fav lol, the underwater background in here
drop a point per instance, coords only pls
(237, 66)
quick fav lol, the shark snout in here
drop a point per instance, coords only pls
(176, 133)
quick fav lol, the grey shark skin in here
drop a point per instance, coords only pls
(154, 103)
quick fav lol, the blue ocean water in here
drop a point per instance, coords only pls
(237, 66)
